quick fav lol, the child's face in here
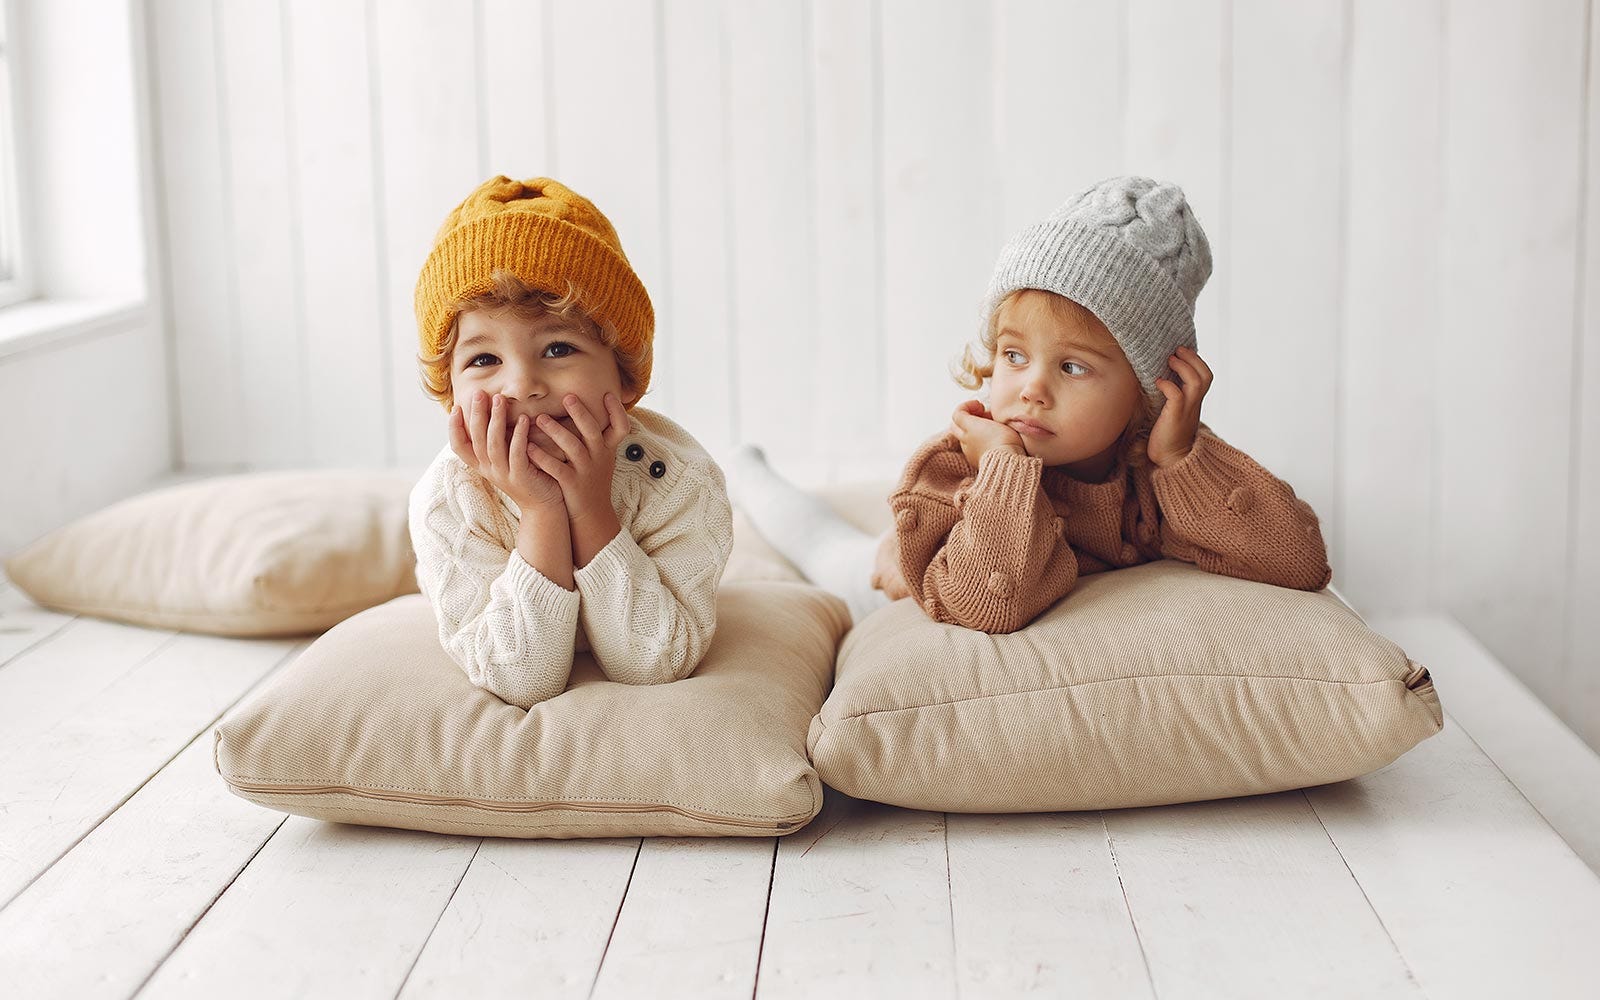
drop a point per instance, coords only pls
(535, 364)
(1060, 380)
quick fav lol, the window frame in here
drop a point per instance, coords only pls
(17, 286)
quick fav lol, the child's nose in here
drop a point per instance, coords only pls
(522, 383)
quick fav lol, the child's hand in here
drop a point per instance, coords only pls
(479, 440)
(1173, 436)
(979, 433)
(585, 475)
(886, 574)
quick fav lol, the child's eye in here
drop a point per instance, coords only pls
(559, 349)
(1067, 365)
(489, 359)
(1014, 357)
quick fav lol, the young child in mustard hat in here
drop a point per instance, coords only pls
(1087, 452)
(561, 515)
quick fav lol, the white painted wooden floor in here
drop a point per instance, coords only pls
(127, 869)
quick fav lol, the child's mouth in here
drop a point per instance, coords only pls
(1028, 428)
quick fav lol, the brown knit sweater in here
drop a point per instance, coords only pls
(992, 551)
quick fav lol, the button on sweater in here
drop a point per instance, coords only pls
(645, 604)
(992, 549)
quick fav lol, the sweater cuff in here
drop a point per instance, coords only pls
(545, 597)
(1008, 478)
(608, 565)
(1202, 480)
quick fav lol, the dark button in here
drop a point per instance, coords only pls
(634, 452)
(658, 468)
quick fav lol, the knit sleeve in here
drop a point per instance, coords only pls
(1226, 514)
(649, 604)
(510, 628)
(989, 555)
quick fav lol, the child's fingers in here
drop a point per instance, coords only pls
(584, 421)
(1194, 358)
(477, 427)
(620, 426)
(1192, 383)
(518, 455)
(460, 441)
(496, 440)
(550, 465)
(562, 438)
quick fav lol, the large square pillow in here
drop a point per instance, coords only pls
(260, 554)
(375, 724)
(1154, 684)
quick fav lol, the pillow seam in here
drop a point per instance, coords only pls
(231, 777)
(1109, 680)
(572, 826)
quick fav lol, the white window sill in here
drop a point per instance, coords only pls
(39, 323)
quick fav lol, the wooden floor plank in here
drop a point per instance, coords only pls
(51, 680)
(530, 919)
(100, 921)
(325, 910)
(860, 906)
(1039, 910)
(1483, 899)
(58, 784)
(691, 923)
(1548, 762)
(23, 624)
(1247, 897)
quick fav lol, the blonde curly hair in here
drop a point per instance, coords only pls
(526, 303)
(975, 367)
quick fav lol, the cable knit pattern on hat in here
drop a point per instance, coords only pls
(993, 549)
(1130, 250)
(645, 604)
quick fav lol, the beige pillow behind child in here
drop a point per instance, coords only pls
(262, 554)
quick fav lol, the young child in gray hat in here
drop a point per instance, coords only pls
(1084, 453)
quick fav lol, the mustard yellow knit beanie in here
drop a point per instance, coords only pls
(547, 235)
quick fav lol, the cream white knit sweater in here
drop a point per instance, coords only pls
(645, 605)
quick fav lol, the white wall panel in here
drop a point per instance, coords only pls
(190, 158)
(1580, 682)
(348, 389)
(1391, 325)
(770, 180)
(88, 433)
(1507, 294)
(266, 423)
(1060, 102)
(428, 161)
(1285, 252)
(847, 232)
(696, 352)
(516, 71)
(941, 204)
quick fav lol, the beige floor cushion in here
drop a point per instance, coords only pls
(374, 724)
(271, 553)
(1155, 684)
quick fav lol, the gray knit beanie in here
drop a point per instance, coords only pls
(1130, 251)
